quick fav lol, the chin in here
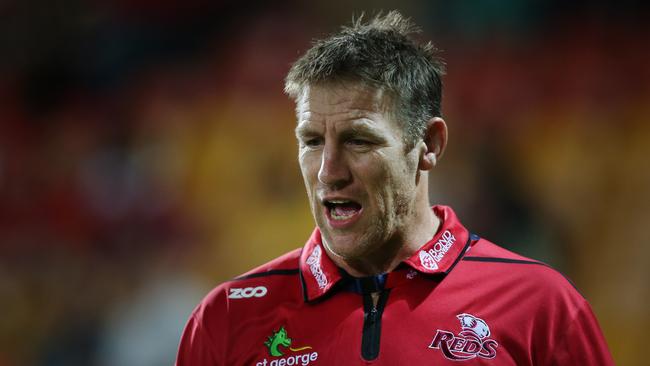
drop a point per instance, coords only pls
(345, 246)
(336, 243)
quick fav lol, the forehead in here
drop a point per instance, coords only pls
(342, 101)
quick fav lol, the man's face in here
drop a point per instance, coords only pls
(360, 176)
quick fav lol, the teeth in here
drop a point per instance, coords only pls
(340, 217)
(336, 214)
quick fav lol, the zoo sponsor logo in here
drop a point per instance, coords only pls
(471, 342)
(275, 344)
(247, 292)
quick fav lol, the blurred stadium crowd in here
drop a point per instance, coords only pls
(147, 153)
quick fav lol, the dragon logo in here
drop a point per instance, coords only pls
(280, 338)
(471, 342)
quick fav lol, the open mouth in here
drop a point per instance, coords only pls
(341, 210)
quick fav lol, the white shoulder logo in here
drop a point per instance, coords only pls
(247, 292)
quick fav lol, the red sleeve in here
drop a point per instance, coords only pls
(582, 343)
(195, 348)
(204, 339)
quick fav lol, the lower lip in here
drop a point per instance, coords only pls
(342, 224)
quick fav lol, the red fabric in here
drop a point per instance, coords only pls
(481, 305)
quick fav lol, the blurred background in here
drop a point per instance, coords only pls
(147, 154)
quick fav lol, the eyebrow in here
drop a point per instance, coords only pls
(305, 131)
(361, 125)
(359, 128)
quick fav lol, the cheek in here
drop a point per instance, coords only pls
(385, 171)
(308, 167)
(376, 178)
(390, 181)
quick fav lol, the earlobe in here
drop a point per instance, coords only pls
(435, 141)
(432, 158)
(428, 161)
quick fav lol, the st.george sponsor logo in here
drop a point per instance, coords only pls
(313, 261)
(279, 343)
(247, 292)
(471, 342)
(430, 258)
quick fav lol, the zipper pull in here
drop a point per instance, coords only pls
(373, 314)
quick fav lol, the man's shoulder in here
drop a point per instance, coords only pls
(285, 264)
(533, 303)
(487, 249)
(270, 283)
(499, 265)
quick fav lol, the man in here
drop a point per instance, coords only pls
(386, 279)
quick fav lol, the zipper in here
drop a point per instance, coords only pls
(371, 337)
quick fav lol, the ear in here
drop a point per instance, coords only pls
(434, 143)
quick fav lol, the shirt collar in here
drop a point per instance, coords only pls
(319, 274)
(442, 252)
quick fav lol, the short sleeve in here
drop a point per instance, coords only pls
(196, 346)
(582, 343)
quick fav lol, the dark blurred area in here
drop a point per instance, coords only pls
(147, 153)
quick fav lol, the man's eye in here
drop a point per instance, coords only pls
(359, 142)
(313, 142)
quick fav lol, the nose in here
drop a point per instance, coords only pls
(333, 171)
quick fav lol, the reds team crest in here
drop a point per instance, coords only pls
(472, 341)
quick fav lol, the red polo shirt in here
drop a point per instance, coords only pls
(459, 299)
